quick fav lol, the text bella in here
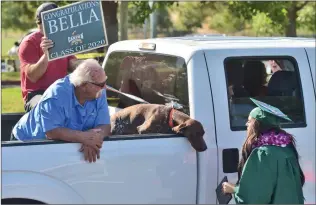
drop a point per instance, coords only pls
(71, 21)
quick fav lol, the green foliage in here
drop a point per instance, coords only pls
(263, 25)
(140, 10)
(222, 20)
(164, 23)
(276, 13)
(10, 19)
(7, 40)
(277, 10)
(265, 18)
(307, 17)
(190, 15)
(20, 15)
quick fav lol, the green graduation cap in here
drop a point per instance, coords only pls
(267, 113)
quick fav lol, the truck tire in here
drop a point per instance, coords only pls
(20, 201)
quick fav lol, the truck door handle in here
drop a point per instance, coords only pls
(230, 160)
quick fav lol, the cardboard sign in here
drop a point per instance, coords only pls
(75, 28)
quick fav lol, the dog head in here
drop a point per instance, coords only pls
(194, 131)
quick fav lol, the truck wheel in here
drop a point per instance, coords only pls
(20, 201)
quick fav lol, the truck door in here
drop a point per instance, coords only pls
(232, 105)
(311, 53)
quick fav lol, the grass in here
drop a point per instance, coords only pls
(10, 76)
(8, 37)
(6, 44)
(11, 100)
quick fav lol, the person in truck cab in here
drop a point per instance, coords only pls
(235, 74)
(269, 169)
(72, 109)
(37, 74)
(276, 65)
(255, 78)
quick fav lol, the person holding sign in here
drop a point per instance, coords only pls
(269, 169)
(72, 109)
(37, 74)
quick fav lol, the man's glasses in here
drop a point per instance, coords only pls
(101, 85)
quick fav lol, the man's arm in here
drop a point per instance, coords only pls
(65, 134)
(53, 124)
(105, 130)
(35, 71)
(34, 68)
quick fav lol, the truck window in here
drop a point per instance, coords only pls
(274, 81)
(155, 78)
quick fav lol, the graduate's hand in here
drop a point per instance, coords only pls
(228, 188)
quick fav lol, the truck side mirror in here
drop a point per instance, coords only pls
(230, 160)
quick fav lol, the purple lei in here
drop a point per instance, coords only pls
(271, 138)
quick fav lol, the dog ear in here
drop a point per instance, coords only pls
(179, 129)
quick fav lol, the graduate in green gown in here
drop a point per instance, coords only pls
(269, 169)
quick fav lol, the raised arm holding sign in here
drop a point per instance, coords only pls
(37, 73)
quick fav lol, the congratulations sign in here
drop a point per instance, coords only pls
(75, 28)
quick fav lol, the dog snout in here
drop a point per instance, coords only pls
(203, 146)
(198, 143)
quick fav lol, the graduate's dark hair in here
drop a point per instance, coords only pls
(255, 128)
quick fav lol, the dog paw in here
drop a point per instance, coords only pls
(139, 129)
(142, 130)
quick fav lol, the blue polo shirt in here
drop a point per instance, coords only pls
(59, 107)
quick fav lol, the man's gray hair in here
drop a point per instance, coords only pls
(83, 73)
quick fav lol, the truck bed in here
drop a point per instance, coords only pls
(51, 171)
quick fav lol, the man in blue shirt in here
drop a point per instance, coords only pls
(72, 109)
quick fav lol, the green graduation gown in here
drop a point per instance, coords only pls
(270, 176)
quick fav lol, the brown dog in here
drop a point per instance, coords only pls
(154, 118)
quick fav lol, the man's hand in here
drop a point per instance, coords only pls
(93, 138)
(90, 154)
(46, 44)
(35, 71)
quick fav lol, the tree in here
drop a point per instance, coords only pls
(142, 10)
(307, 18)
(262, 25)
(221, 19)
(25, 18)
(110, 18)
(188, 15)
(280, 12)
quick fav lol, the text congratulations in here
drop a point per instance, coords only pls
(71, 17)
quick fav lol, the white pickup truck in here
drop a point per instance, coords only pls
(194, 74)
